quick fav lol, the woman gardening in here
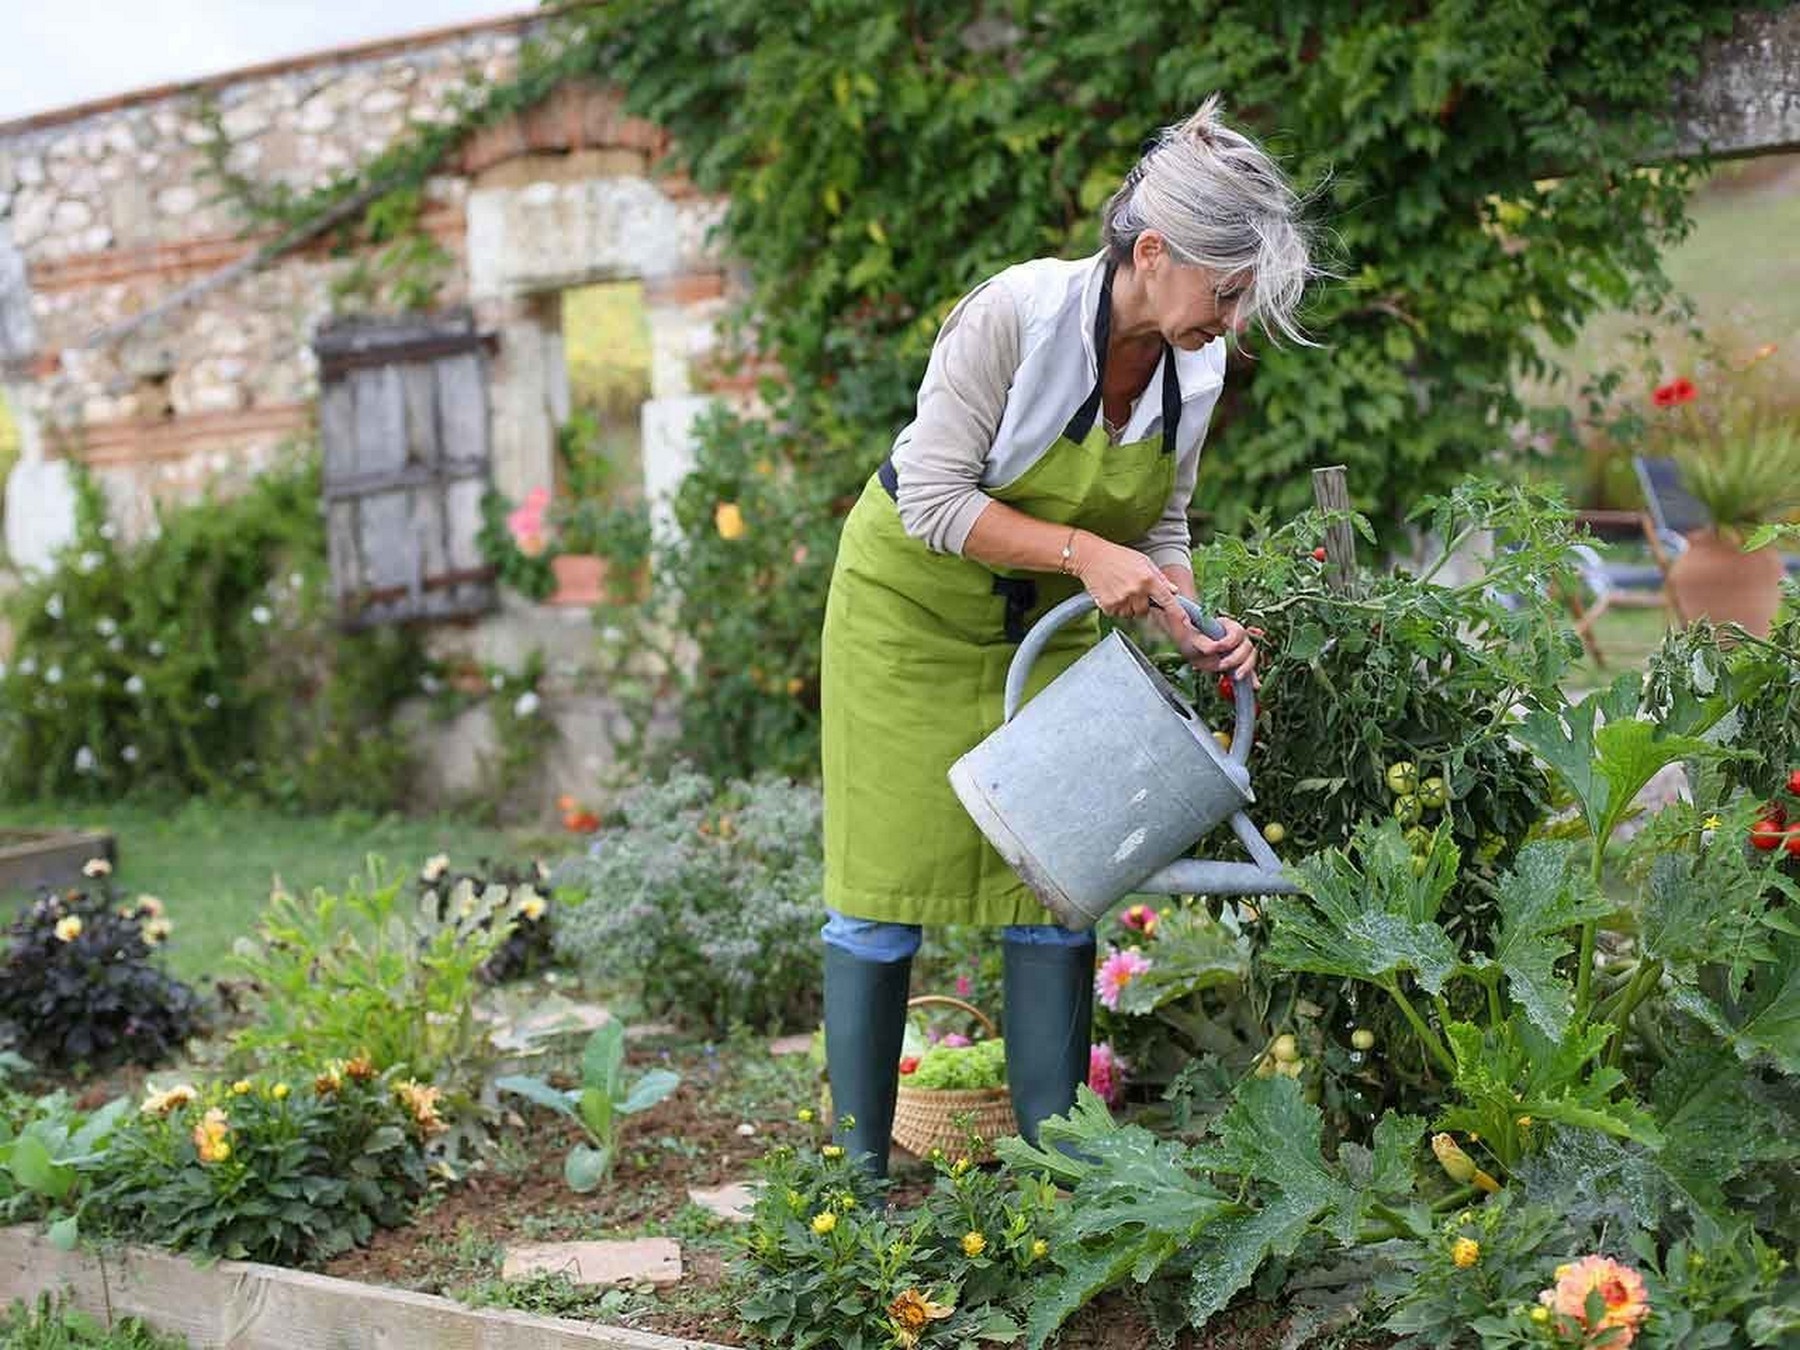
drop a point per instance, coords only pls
(1055, 448)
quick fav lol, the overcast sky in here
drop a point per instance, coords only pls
(57, 52)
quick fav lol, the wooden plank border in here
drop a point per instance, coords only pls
(240, 1305)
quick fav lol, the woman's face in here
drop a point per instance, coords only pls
(1191, 305)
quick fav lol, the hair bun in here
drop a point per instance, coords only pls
(1205, 120)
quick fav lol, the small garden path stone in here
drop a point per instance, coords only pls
(731, 1202)
(655, 1261)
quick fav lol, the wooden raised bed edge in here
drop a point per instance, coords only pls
(53, 857)
(241, 1305)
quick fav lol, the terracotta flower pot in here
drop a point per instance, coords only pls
(580, 579)
(1715, 579)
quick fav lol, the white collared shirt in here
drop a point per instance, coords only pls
(1011, 364)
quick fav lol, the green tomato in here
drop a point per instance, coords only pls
(1418, 840)
(1286, 1049)
(1433, 794)
(1407, 809)
(1402, 778)
(1362, 1039)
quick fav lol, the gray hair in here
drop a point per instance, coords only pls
(1220, 201)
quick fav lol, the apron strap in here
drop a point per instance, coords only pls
(1020, 594)
(1083, 421)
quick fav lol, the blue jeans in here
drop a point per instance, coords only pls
(876, 940)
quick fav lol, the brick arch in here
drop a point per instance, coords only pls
(578, 116)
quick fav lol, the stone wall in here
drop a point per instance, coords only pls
(105, 212)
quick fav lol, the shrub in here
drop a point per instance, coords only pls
(704, 900)
(375, 974)
(529, 946)
(265, 1170)
(81, 988)
(204, 658)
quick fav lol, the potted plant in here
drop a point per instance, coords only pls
(1741, 462)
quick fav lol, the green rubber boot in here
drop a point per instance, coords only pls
(1049, 992)
(865, 1021)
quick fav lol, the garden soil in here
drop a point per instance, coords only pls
(454, 1246)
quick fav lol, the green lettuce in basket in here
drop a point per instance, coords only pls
(956, 1067)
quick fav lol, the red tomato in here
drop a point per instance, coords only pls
(1319, 554)
(1227, 690)
(1794, 782)
(1793, 841)
(1767, 834)
(910, 1064)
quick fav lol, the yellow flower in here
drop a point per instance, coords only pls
(162, 1103)
(973, 1244)
(156, 931)
(150, 905)
(1465, 1252)
(279, 1092)
(532, 906)
(422, 1101)
(362, 1068)
(210, 1136)
(728, 520)
(241, 1087)
(823, 1222)
(96, 867)
(833, 1151)
(1524, 1122)
(1459, 1166)
(1540, 1315)
(327, 1082)
(1711, 823)
(846, 1202)
(805, 1115)
(795, 1199)
(1039, 1249)
(911, 1311)
(435, 867)
(68, 929)
(960, 1166)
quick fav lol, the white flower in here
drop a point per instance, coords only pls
(84, 760)
(96, 867)
(156, 648)
(53, 675)
(260, 614)
(28, 665)
(134, 685)
(115, 644)
(129, 754)
(746, 1129)
(526, 704)
(108, 530)
(497, 681)
(435, 866)
(53, 606)
(87, 562)
(429, 683)
(105, 627)
(296, 580)
(211, 700)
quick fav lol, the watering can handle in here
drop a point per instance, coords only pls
(1076, 606)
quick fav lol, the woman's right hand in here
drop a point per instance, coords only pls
(1124, 583)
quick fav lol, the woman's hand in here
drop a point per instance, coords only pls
(1233, 654)
(1124, 583)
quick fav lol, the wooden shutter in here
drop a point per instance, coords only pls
(403, 417)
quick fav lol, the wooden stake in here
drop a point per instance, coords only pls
(1331, 492)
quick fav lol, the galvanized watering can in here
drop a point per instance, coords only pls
(1096, 789)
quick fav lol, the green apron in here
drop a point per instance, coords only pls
(915, 653)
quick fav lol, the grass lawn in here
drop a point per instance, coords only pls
(213, 864)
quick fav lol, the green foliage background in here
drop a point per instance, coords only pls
(880, 160)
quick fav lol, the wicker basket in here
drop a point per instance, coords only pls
(927, 1118)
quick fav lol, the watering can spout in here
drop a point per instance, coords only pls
(1198, 876)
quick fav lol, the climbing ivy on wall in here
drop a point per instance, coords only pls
(1473, 164)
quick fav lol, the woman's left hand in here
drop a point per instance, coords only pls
(1233, 654)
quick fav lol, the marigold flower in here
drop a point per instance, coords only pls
(1040, 1248)
(1121, 967)
(833, 1151)
(149, 905)
(532, 906)
(96, 867)
(1465, 1252)
(327, 1082)
(960, 1167)
(795, 1200)
(68, 928)
(241, 1088)
(910, 1312)
(973, 1244)
(210, 1136)
(1676, 391)
(157, 931)
(1621, 1289)
(361, 1069)
(169, 1099)
(728, 520)
(804, 1115)
(422, 1100)
(279, 1092)
(823, 1222)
